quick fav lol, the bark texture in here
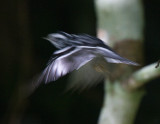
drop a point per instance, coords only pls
(120, 25)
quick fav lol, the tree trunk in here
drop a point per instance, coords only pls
(120, 25)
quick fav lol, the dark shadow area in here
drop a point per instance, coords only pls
(24, 54)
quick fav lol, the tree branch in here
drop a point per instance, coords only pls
(142, 76)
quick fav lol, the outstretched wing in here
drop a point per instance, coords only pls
(71, 58)
(109, 55)
(95, 70)
(63, 62)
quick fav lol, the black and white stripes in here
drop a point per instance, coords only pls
(74, 52)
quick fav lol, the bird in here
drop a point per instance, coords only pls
(79, 53)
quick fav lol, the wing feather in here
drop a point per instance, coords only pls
(63, 63)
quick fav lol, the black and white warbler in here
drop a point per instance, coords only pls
(76, 51)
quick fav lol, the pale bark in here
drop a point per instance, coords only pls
(120, 106)
(120, 25)
(141, 77)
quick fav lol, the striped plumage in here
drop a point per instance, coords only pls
(74, 52)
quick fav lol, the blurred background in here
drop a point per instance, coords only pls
(24, 54)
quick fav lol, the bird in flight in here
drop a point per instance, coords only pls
(75, 52)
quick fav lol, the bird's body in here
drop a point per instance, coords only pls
(76, 51)
(62, 40)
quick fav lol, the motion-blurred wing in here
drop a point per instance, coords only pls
(109, 55)
(63, 62)
(88, 75)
